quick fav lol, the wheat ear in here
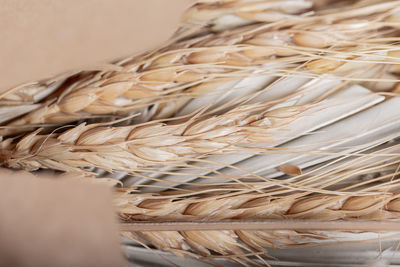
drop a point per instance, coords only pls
(132, 147)
(206, 16)
(167, 79)
(237, 244)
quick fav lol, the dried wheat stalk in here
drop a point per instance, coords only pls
(166, 80)
(347, 198)
(240, 245)
(131, 147)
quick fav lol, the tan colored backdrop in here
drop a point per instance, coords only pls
(46, 37)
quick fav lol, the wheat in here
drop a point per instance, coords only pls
(161, 83)
(239, 243)
(347, 198)
(131, 147)
(223, 15)
(217, 16)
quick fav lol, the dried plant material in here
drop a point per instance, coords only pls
(245, 163)
(161, 83)
(332, 141)
(214, 207)
(131, 147)
(371, 199)
(229, 14)
(290, 169)
(9, 112)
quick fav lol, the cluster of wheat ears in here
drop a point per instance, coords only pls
(235, 118)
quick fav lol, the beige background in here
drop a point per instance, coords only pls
(56, 222)
(46, 37)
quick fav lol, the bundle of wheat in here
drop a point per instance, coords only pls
(254, 110)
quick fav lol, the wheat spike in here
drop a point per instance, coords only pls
(237, 244)
(131, 147)
(168, 79)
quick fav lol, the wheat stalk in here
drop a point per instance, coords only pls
(347, 198)
(239, 244)
(132, 147)
(167, 79)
